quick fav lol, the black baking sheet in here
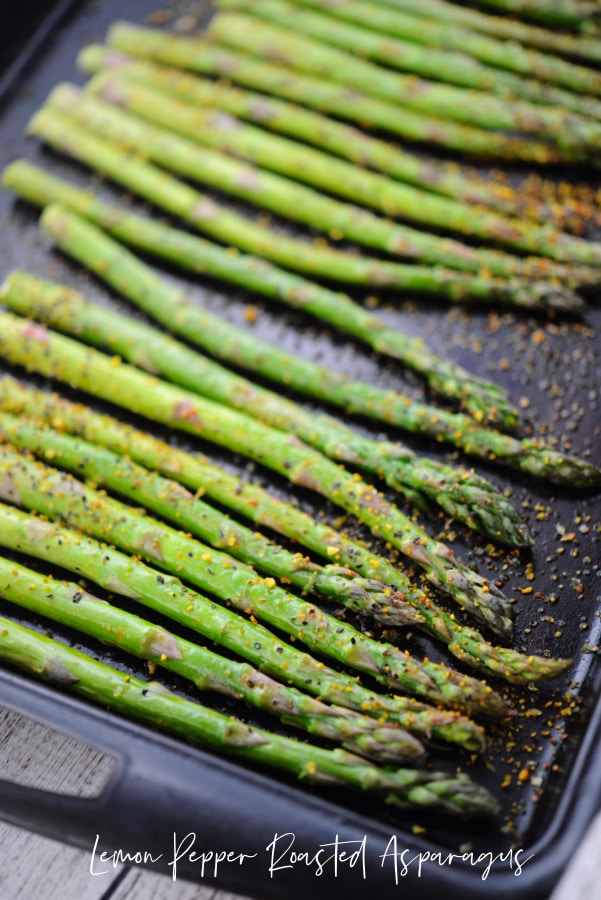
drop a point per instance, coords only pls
(553, 370)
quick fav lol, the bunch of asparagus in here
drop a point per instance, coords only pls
(207, 670)
(462, 494)
(153, 703)
(329, 29)
(52, 492)
(389, 597)
(198, 255)
(552, 41)
(71, 123)
(129, 577)
(305, 125)
(141, 124)
(136, 281)
(363, 39)
(228, 135)
(46, 352)
(420, 24)
(239, 44)
(208, 58)
(483, 399)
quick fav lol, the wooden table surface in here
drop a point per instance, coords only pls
(32, 866)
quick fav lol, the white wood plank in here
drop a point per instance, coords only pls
(580, 880)
(37, 756)
(30, 865)
(33, 867)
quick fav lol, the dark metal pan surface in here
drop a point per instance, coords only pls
(162, 787)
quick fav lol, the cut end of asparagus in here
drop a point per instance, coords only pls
(63, 95)
(119, 26)
(97, 56)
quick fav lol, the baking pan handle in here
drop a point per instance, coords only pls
(74, 820)
(184, 813)
(199, 818)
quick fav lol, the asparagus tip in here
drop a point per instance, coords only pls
(560, 468)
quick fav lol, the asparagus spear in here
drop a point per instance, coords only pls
(462, 494)
(68, 106)
(61, 496)
(529, 456)
(226, 134)
(39, 349)
(277, 39)
(502, 27)
(41, 188)
(152, 703)
(500, 54)
(247, 638)
(251, 501)
(170, 500)
(297, 122)
(224, 340)
(280, 195)
(481, 398)
(66, 603)
(65, 134)
(325, 96)
(575, 14)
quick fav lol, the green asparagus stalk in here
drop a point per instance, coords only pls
(39, 187)
(305, 125)
(462, 494)
(254, 503)
(575, 14)
(201, 476)
(215, 168)
(395, 24)
(325, 96)
(130, 277)
(481, 398)
(39, 349)
(273, 192)
(278, 39)
(248, 639)
(63, 497)
(153, 704)
(170, 500)
(224, 133)
(67, 604)
(508, 29)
